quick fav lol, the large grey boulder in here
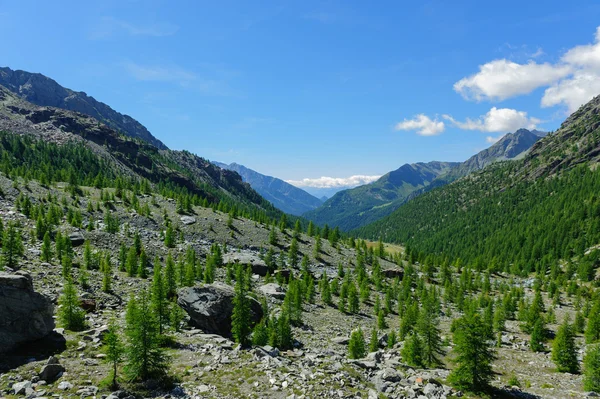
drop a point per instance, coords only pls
(273, 290)
(245, 259)
(25, 315)
(77, 238)
(51, 371)
(210, 307)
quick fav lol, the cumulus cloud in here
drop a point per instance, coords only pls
(497, 120)
(502, 79)
(422, 124)
(572, 81)
(584, 83)
(334, 182)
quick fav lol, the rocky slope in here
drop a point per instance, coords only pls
(132, 157)
(282, 195)
(41, 90)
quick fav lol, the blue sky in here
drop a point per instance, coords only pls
(305, 89)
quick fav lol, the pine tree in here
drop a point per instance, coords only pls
(106, 269)
(122, 257)
(145, 357)
(591, 366)
(293, 253)
(169, 237)
(47, 248)
(353, 300)
(113, 349)
(381, 323)
(142, 270)
(356, 345)
(273, 237)
(374, 341)
(70, 314)
(474, 355)
(240, 317)
(325, 289)
(412, 351)
(592, 331)
(131, 265)
(537, 336)
(564, 349)
(427, 327)
(160, 304)
(170, 278)
(12, 246)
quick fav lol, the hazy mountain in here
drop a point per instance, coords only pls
(361, 205)
(365, 204)
(41, 90)
(284, 196)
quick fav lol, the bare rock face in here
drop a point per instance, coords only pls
(25, 315)
(247, 259)
(210, 307)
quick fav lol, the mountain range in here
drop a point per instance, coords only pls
(282, 195)
(353, 208)
(41, 90)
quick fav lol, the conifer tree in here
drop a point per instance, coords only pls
(325, 289)
(142, 270)
(145, 357)
(591, 366)
(170, 278)
(564, 349)
(381, 323)
(113, 349)
(240, 317)
(592, 331)
(106, 269)
(293, 253)
(273, 237)
(12, 246)
(427, 327)
(122, 257)
(353, 300)
(537, 336)
(374, 341)
(47, 248)
(412, 351)
(160, 304)
(70, 314)
(169, 237)
(474, 355)
(260, 334)
(356, 345)
(131, 265)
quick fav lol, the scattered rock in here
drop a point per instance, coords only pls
(21, 388)
(187, 220)
(393, 273)
(273, 290)
(211, 305)
(65, 386)
(246, 259)
(52, 370)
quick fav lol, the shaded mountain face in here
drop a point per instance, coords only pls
(41, 90)
(139, 159)
(358, 206)
(518, 215)
(282, 195)
(350, 209)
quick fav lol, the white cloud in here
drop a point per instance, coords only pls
(497, 120)
(584, 84)
(424, 125)
(334, 182)
(571, 82)
(502, 79)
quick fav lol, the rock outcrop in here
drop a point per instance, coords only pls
(210, 307)
(25, 315)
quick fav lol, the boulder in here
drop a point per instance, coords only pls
(25, 315)
(76, 238)
(188, 220)
(273, 290)
(245, 259)
(393, 273)
(22, 388)
(210, 307)
(51, 371)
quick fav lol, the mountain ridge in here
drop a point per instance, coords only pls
(41, 90)
(282, 195)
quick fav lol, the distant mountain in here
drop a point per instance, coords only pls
(282, 195)
(358, 206)
(41, 90)
(324, 193)
(351, 209)
(519, 216)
